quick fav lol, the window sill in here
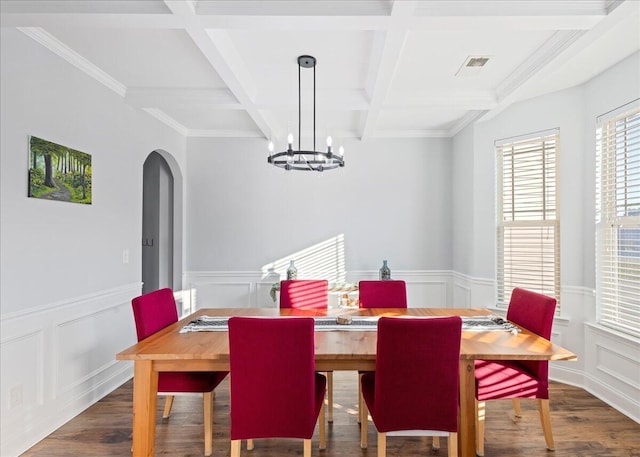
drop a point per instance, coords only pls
(614, 333)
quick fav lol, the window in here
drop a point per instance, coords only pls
(528, 224)
(618, 220)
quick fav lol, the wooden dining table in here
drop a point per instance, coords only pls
(170, 350)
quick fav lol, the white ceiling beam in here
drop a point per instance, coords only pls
(92, 20)
(512, 8)
(294, 8)
(333, 99)
(389, 51)
(426, 133)
(448, 99)
(462, 19)
(374, 8)
(437, 23)
(225, 60)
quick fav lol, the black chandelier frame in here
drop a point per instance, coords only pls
(304, 160)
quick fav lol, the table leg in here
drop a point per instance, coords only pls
(145, 400)
(467, 428)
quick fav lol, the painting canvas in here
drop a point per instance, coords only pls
(57, 172)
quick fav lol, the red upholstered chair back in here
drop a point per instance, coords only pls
(304, 293)
(389, 293)
(534, 312)
(273, 392)
(416, 378)
(154, 311)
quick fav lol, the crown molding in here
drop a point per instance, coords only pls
(62, 50)
(555, 45)
(167, 120)
(465, 120)
(221, 133)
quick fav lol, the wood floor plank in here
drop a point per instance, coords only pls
(583, 426)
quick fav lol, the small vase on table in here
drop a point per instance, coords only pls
(385, 271)
(292, 271)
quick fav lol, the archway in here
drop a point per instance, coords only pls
(161, 223)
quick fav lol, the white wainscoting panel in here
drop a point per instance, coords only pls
(222, 289)
(470, 292)
(428, 294)
(81, 355)
(461, 294)
(58, 359)
(23, 371)
(222, 295)
(613, 368)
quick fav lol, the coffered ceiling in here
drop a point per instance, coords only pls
(213, 68)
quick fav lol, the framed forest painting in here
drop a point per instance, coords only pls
(57, 172)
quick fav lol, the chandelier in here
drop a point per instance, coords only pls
(298, 159)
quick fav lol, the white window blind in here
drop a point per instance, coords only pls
(618, 221)
(528, 223)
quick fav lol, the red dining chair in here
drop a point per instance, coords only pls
(414, 390)
(517, 379)
(308, 294)
(304, 293)
(153, 312)
(275, 391)
(390, 293)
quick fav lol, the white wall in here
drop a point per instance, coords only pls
(462, 221)
(608, 362)
(391, 201)
(64, 289)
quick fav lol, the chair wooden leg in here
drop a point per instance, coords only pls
(235, 448)
(545, 419)
(249, 445)
(207, 405)
(359, 398)
(364, 422)
(382, 444)
(322, 426)
(168, 403)
(330, 394)
(452, 444)
(307, 448)
(480, 413)
(436, 443)
(516, 407)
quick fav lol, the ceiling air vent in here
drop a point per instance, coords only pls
(476, 61)
(472, 66)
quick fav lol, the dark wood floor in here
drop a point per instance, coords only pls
(582, 426)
